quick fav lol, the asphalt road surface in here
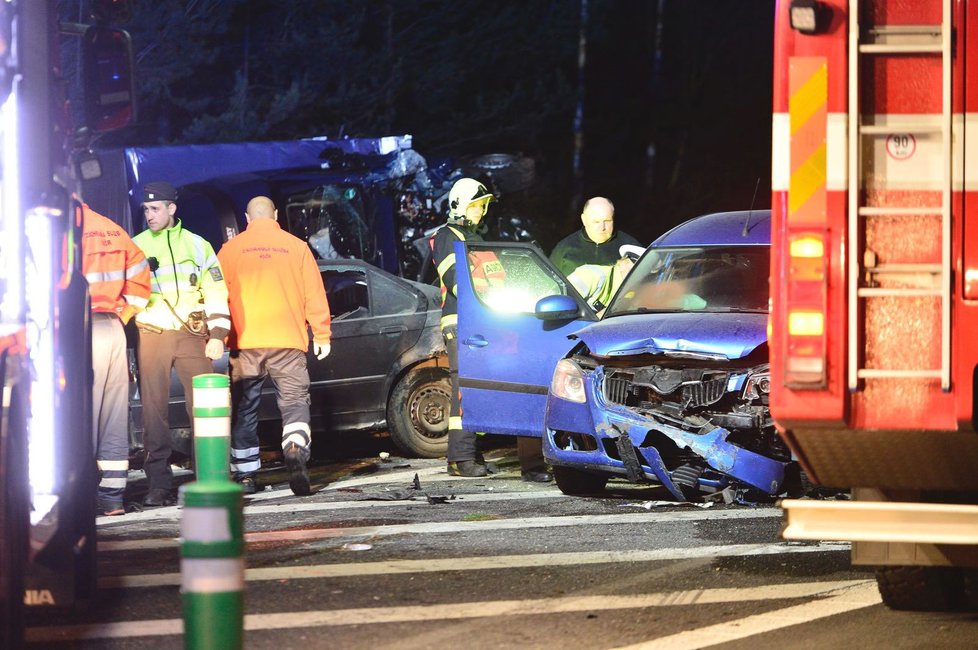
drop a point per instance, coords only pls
(372, 561)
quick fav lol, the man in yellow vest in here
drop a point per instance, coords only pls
(597, 283)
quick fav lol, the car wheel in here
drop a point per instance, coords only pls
(921, 588)
(417, 413)
(573, 481)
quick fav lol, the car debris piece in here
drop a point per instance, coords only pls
(648, 505)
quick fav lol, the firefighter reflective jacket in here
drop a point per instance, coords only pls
(116, 270)
(486, 269)
(187, 281)
(275, 289)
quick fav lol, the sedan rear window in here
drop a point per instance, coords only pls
(710, 278)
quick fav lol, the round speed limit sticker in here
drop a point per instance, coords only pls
(900, 146)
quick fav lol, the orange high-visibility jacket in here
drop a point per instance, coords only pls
(116, 269)
(274, 289)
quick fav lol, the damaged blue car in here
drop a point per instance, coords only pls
(669, 387)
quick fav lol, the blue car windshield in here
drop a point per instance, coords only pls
(706, 278)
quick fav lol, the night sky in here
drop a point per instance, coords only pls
(676, 93)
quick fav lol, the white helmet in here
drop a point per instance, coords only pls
(464, 192)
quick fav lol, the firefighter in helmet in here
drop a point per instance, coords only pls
(468, 202)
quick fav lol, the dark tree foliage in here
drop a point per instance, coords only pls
(676, 94)
(463, 74)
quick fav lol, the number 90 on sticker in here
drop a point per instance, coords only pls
(901, 146)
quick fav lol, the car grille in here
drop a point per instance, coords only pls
(618, 389)
(705, 392)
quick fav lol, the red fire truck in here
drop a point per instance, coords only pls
(47, 466)
(874, 288)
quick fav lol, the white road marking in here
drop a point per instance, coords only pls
(463, 527)
(852, 599)
(173, 513)
(435, 474)
(381, 477)
(493, 562)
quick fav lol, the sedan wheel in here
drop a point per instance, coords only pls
(417, 413)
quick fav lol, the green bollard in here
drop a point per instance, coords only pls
(212, 565)
(212, 426)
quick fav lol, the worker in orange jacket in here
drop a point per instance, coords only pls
(274, 290)
(119, 284)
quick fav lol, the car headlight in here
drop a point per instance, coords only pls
(758, 384)
(568, 382)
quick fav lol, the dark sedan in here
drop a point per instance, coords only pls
(387, 368)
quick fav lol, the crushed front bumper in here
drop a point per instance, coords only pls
(603, 437)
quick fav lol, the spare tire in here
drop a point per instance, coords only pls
(508, 172)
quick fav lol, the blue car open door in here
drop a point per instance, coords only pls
(515, 312)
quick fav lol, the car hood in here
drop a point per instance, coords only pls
(681, 334)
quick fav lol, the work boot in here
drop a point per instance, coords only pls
(295, 461)
(248, 485)
(467, 468)
(158, 497)
(481, 460)
(109, 507)
(536, 476)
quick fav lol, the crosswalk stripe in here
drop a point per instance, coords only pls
(463, 527)
(851, 597)
(495, 562)
(484, 609)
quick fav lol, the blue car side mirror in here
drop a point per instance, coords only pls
(557, 308)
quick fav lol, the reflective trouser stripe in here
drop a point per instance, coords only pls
(245, 461)
(297, 432)
(249, 467)
(113, 465)
(245, 453)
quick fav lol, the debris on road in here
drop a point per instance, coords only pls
(648, 505)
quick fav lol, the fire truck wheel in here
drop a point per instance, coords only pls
(921, 588)
(573, 482)
(417, 412)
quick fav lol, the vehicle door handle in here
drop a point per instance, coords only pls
(393, 329)
(477, 341)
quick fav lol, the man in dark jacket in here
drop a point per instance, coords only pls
(596, 243)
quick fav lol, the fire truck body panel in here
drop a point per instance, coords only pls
(875, 275)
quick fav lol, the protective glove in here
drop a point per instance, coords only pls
(214, 349)
(321, 350)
